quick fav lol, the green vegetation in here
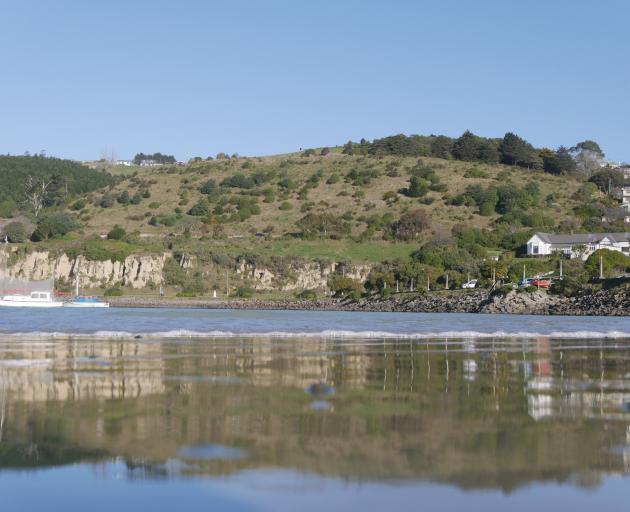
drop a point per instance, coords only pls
(416, 207)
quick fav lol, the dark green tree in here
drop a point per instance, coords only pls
(466, 147)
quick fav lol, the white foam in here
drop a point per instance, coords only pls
(328, 333)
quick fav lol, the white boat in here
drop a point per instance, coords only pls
(33, 300)
(16, 292)
(86, 302)
(83, 301)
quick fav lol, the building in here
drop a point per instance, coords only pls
(580, 245)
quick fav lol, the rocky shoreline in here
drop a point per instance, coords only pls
(602, 303)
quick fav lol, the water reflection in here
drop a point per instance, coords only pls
(495, 414)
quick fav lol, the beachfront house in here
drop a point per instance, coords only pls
(580, 245)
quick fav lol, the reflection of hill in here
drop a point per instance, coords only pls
(481, 418)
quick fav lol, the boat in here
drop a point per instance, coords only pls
(84, 301)
(34, 299)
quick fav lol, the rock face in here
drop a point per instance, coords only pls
(299, 276)
(135, 271)
(523, 303)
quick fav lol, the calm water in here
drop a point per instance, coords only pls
(237, 410)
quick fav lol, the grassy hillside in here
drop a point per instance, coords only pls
(416, 216)
(289, 187)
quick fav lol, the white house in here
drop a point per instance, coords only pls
(580, 245)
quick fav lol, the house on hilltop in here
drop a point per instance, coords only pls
(580, 245)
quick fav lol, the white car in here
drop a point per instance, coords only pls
(470, 284)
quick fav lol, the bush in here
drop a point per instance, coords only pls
(113, 292)
(410, 225)
(102, 250)
(107, 201)
(238, 181)
(613, 263)
(209, 188)
(307, 295)
(136, 198)
(15, 232)
(123, 197)
(116, 233)
(323, 224)
(78, 205)
(244, 292)
(201, 209)
(286, 206)
(345, 287)
(154, 205)
(55, 225)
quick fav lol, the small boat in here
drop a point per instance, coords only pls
(84, 301)
(33, 300)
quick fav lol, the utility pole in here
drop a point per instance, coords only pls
(397, 288)
(428, 286)
(447, 281)
(523, 274)
(560, 266)
(601, 267)
(494, 276)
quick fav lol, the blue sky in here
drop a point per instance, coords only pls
(261, 77)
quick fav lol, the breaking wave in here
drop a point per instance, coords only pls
(328, 333)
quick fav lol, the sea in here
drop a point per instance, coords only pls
(255, 410)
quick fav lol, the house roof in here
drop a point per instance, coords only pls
(583, 238)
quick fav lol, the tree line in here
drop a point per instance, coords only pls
(158, 158)
(584, 158)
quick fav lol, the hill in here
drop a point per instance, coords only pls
(445, 204)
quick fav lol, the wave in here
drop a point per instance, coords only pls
(329, 333)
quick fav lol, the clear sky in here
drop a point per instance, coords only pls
(261, 77)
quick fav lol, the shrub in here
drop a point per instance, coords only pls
(154, 205)
(201, 209)
(613, 263)
(123, 197)
(323, 224)
(113, 292)
(332, 179)
(103, 250)
(55, 225)
(307, 295)
(418, 187)
(173, 273)
(136, 198)
(15, 232)
(209, 188)
(107, 201)
(410, 225)
(78, 205)
(345, 287)
(238, 181)
(116, 233)
(286, 206)
(244, 292)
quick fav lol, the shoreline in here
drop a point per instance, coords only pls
(614, 302)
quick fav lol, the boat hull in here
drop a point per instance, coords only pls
(29, 304)
(86, 305)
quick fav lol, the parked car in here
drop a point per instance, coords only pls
(470, 284)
